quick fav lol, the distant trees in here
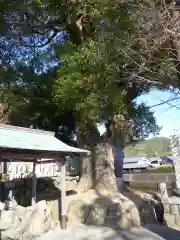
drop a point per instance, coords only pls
(159, 146)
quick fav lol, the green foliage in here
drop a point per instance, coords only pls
(38, 2)
(88, 85)
(159, 146)
(94, 82)
(145, 123)
(87, 82)
(163, 169)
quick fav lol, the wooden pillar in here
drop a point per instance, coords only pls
(5, 167)
(63, 219)
(10, 194)
(34, 181)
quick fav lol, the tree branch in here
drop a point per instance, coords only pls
(165, 102)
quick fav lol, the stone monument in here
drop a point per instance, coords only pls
(175, 145)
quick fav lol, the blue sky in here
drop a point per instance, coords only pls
(167, 115)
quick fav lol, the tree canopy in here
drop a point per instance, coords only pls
(77, 63)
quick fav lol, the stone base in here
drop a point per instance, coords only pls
(107, 210)
(172, 212)
(25, 223)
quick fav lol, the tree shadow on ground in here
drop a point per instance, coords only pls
(165, 232)
(154, 222)
(154, 233)
(104, 211)
(116, 221)
(151, 211)
(111, 210)
(134, 234)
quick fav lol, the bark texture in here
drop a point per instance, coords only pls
(87, 137)
(105, 180)
(4, 113)
(87, 180)
(98, 169)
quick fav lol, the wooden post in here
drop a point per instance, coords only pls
(10, 194)
(34, 180)
(4, 167)
(63, 218)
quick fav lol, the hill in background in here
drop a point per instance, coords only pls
(158, 146)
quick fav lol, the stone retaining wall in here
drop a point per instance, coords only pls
(172, 212)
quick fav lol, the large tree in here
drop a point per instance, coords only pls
(96, 80)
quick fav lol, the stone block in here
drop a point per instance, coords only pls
(7, 220)
(54, 209)
(177, 220)
(169, 219)
(166, 208)
(135, 217)
(39, 221)
(114, 214)
(174, 209)
(125, 222)
(97, 215)
(78, 211)
(179, 208)
(174, 200)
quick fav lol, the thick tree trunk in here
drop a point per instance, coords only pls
(86, 180)
(105, 179)
(87, 137)
(119, 158)
(97, 168)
